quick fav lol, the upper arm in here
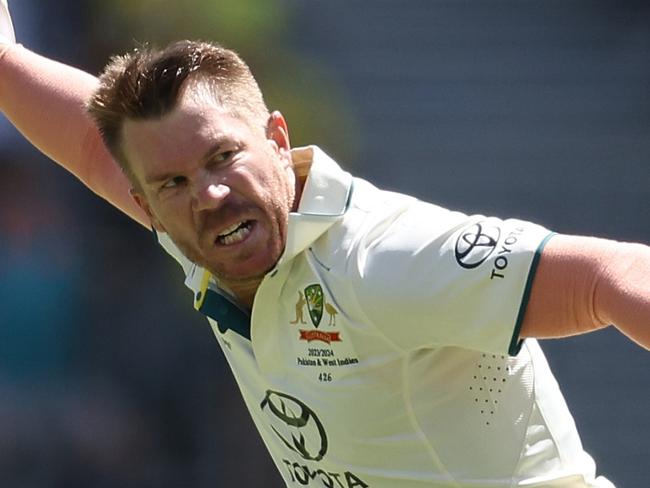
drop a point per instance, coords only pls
(45, 100)
(103, 176)
(584, 283)
(561, 301)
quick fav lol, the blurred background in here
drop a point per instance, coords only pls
(532, 109)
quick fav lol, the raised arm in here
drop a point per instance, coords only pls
(45, 100)
(584, 284)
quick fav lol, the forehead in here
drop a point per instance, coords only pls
(181, 136)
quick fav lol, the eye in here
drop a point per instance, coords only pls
(223, 156)
(174, 182)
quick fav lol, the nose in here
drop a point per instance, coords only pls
(210, 196)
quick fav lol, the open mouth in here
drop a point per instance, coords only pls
(235, 233)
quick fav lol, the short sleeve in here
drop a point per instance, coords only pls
(438, 278)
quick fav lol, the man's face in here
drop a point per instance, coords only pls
(220, 188)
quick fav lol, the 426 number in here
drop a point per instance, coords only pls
(325, 377)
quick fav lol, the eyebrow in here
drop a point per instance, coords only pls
(214, 149)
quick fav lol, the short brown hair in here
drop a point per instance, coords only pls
(147, 83)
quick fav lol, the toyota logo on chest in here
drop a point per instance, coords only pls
(296, 425)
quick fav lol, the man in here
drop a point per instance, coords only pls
(424, 377)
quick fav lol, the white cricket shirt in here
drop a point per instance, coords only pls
(382, 351)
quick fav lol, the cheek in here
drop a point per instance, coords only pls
(174, 214)
(257, 185)
(276, 182)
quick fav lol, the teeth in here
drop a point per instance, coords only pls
(230, 229)
(234, 234)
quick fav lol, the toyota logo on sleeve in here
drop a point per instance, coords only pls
(296, 425)
(476, 243)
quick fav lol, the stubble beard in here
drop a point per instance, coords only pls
(200, 254)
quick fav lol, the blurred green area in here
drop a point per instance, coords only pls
(303, 89)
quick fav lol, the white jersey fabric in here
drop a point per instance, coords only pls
(382, 350)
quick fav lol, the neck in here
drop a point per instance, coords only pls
(301, 167)
(244, 292)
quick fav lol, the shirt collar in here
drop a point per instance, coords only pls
(325, 198)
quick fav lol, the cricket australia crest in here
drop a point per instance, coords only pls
(314, 296)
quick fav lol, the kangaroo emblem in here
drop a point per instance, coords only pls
(332, 312)
(300, 318)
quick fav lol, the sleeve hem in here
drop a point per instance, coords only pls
(516, 342)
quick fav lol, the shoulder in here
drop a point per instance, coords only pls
(381, 232)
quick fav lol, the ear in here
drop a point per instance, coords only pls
(277, 133)
(142, 202)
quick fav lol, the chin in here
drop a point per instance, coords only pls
(244, 273)
(247, 264)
